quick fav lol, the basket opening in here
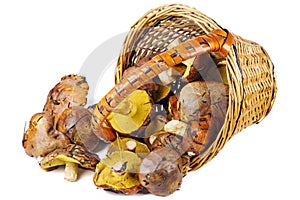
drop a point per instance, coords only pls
(208, 76)
(194, 92)
(155, 38)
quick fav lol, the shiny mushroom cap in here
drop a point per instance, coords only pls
(70, 91)
(40, 138)
(160, 172)
(194, 100)
(75, 122)
(71, 156)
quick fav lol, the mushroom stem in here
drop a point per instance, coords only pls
(131, 145)
(119, 167)
(71, 171)
(126, 107)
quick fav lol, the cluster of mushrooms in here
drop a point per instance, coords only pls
(158, 129)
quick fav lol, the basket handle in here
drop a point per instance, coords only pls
(219, 41)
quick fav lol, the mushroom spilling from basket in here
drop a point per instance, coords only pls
(174, 106)
(154, 131)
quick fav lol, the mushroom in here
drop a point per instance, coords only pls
(131, 113)
(75, 122)
(164, 139)
(194, 100)
(203, 98)
(203, 106)
(40, 138)
(119, 172)
(128, 144)
(71, 91)
(71, 156)
(160, 172)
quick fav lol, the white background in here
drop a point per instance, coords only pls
(40, 41)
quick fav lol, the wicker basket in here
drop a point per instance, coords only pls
(250, 72)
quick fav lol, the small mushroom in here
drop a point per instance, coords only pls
(131, 113)
(40, 138)
(70, 91)
(72, 156)
(160, 172)
(119, 172)
(75, 122)
(128, 144)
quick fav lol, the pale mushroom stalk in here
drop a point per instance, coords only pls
(71, 171)
(126, 107)
(72, 156)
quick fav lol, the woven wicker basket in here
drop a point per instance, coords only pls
(250, 72)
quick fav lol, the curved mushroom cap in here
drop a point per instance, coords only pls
(194, 100)
(129, 144)
(70, 91)
(131, 113)
(70, 153)
(40, 139)
(160, 172)
(119, 172)
(75, 122)
(71, 156)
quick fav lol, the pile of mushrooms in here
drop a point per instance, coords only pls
(61, 134)
(156, 131)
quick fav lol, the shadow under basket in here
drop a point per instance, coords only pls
(249, 70)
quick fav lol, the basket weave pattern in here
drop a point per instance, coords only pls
(250, 72)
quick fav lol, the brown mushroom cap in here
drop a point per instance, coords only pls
(194, 100)
(70, 91)
(72, 156)
(119, 172)
(40, 138)
(75, 122)
(160, 172)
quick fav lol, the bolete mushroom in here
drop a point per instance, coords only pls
(70, 91)
(128, 144)
(75, 122)
(119, 172)
(131, 113)
(194, 100)
(72, 156)
(40, 138)
(160, 172)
